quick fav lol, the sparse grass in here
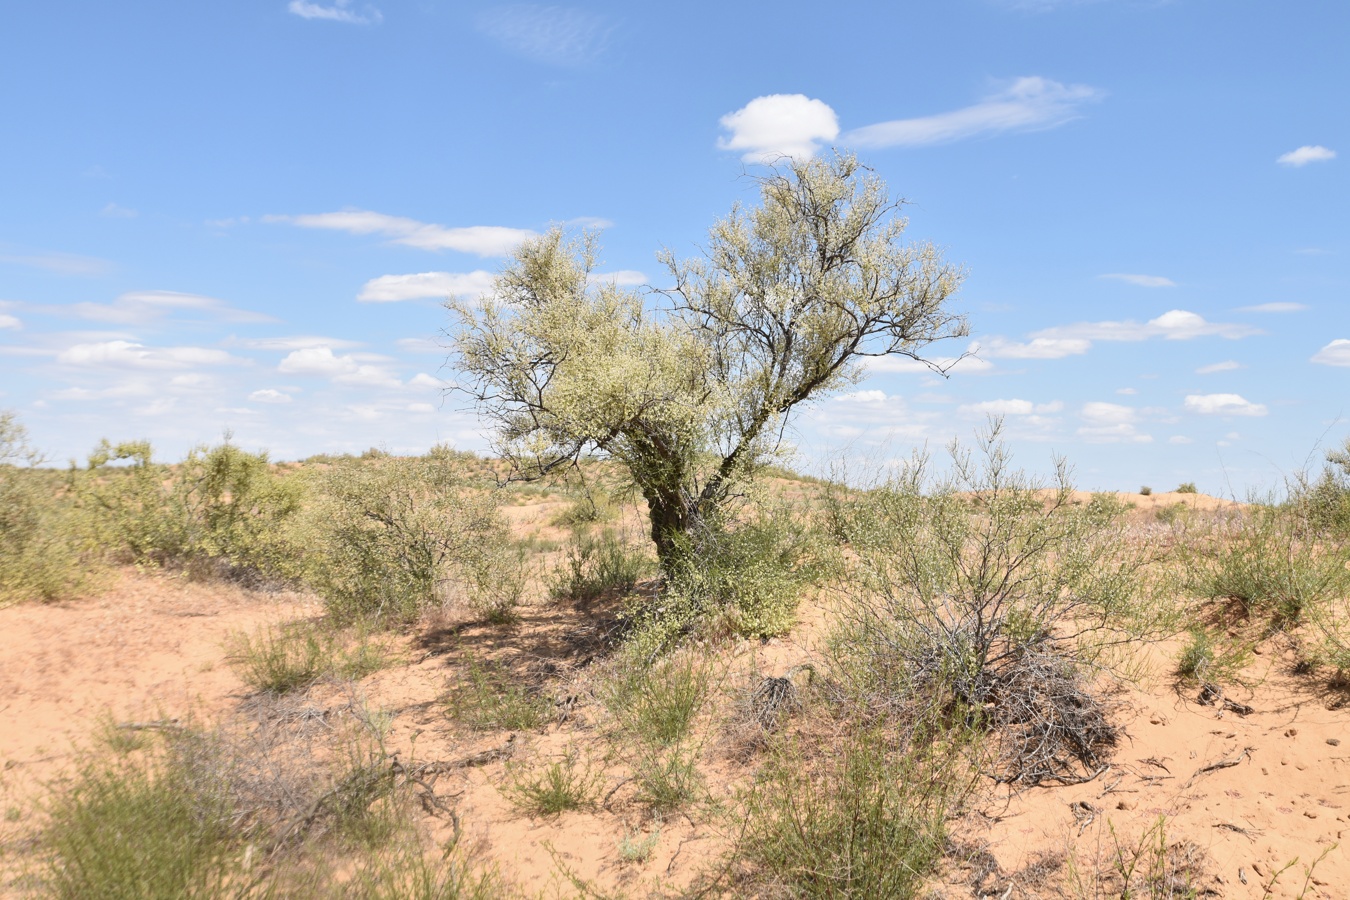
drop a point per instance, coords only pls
(288, 657)
(1208, 657)
(488, 698)
(667, 777)
(1151, 867)
(595, 566)
(556, 787)
(138, 827)
(657, 703)
(636, 848)
(406, 874)
(861, 820)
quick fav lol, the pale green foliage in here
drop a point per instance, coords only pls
(220, 509)
(39, 553)
(393, 538)
(596, 565)
(689, 396)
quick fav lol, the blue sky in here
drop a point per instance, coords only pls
(245, 215)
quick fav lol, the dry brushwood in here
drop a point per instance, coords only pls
(776, 696)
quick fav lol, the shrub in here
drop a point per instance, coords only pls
(1187, 487)
(283, 658)
(1207, 658)
(393, 538)
(1272, 560)
(39, 550)
(657, 703)
(406, 874)
(596, 566)
(557, 787)
(990, 601)
(143, 826)
(221, 511)
(863, 820)
(1146, 490)
(488, 698)
(667, 777)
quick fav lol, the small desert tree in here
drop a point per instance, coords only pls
(691, 392)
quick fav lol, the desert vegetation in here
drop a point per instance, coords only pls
(633, 654)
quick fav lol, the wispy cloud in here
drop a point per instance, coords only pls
(340, 11)
(289, 343)
(1222, 405)
(270, 395)
(132, 355)
(1012, 407)
(1038, 348)
(1030, 103)
(1306, 154)
(480, 240)
(1148, 281)
(391, 288)
(554, 35)
(113, 211)
(1273, 308)
(138, 307)
(61, 263)
(1175, 325)
(779, 125)
(1337, 353)
(1227, 365)
(8, 321)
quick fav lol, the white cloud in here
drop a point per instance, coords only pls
(1039, 348)
(340, 11)
(7, 321)
(1273, 308)
(136, 307)
(421, 408)
(862, 397)
(1222, 405)
(1027, 104)
(778, 125)
(620, 278)
(1011, 408)
(423, 380)
(130, 355)
(113, 211)
(347, 369)
(62, 263)
(1111, 423)
(1148, 281)
(1179, 439)
(554, 35)
(1306, 154)
(1227, 365)
(421, 345)
(268, 395)
(1337, 353)
(389, 288)
(297, 342)
(1099, 413)
(1175, 325)
(480, 240)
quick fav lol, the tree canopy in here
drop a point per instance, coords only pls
(689, 387)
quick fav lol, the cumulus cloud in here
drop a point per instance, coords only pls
(480, 240)
(1038, 348)
(1148, 281)
(390, 288)
(1174, 325)
(1108, 423)
(778, 125)
(1026, 104)
(345, 369)
(1306, 154)
(138, 307)
(871, 396)
(1012, 407)
(269, 395)
(1337, 353)
(8, 321)
(1227, 365)
(1222, 405)
(340, 11)
(1273, 308)
(553, 35)
(130, 355)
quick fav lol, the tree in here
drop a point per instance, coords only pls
(691, 393)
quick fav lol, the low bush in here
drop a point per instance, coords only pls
(488, 698)
(595, 566)
(1187, 487)
(863, 820)
(555, 787)
(1207, 656)
(407, 874)
(657, 703)
(391, 539)
(288, 657)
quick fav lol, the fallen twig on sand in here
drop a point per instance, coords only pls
(1221, 764)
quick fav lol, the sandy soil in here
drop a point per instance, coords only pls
(1243, 794)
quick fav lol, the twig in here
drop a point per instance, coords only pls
(1221, 764)
(1249, 833)
(157, 725)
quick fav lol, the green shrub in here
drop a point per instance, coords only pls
(40, 552)
(593, 506)
(1273, 560)
(554, 788)
(1146, 490)
(488, 698)
(657, 703)
(222, 510)
(1187, 487)
(1205, 657)
(142, 826)
(406, 874)
(862, 820)
(283, 658)
(596, 566)
(393, 538)
(667, 777)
